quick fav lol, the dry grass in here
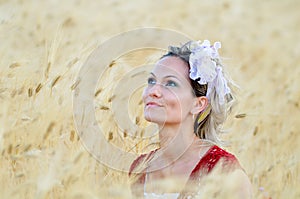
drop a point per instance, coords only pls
(43, 44)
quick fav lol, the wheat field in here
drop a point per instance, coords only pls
(43, 45)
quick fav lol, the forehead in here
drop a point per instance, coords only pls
(171, 65)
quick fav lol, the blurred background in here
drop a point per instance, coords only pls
(43, 44)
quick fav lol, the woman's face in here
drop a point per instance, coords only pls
(168, 98)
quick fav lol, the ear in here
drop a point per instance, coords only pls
(199, 105)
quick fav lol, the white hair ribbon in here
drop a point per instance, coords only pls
(203, 65)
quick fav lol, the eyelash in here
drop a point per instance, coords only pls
(152, 81)
(171, 82)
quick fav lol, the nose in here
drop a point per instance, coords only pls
(155, 91)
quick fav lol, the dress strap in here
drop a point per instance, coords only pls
(210, 160)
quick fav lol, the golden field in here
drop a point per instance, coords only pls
(43, 45)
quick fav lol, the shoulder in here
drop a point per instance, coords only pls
(137, 173)
(136, 163)
(214, 156)
(215, 159)
(216, 153)
(139, 164)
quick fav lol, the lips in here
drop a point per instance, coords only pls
(153, 104)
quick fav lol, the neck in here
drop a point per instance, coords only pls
(175, 139)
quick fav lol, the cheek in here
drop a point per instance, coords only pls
(173, 103)
(144, 94)
(180, 105)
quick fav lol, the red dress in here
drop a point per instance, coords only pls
(204, 166)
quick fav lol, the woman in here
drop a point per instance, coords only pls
(188, 97)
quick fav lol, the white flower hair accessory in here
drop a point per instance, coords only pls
(205, 69)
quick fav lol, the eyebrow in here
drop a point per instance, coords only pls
(167, 76)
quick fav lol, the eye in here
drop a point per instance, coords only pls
(151, 81)
(171, 83)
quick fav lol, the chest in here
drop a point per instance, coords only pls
(171, 178)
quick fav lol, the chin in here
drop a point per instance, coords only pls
(155, 119)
